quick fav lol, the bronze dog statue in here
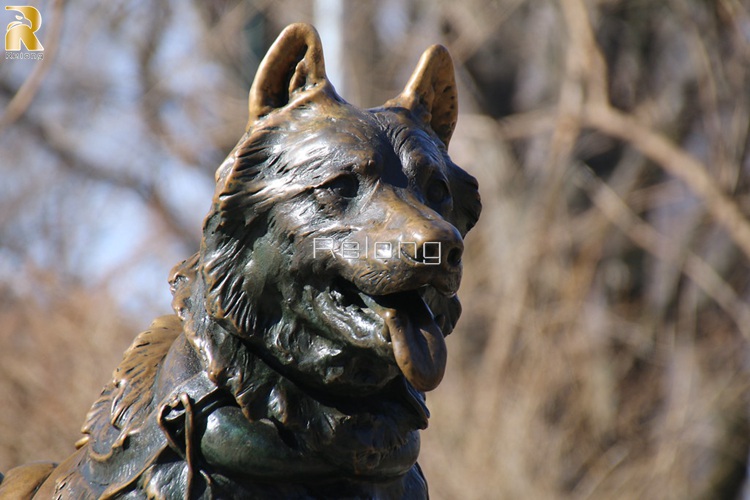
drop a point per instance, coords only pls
(312, 319)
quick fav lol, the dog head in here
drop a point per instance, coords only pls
(333, 246)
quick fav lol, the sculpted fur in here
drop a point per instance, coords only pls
(311, 321)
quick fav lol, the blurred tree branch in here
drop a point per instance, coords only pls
(648, 238)
(597, 112)
(145, 189)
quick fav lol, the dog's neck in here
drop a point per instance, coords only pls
(377, 433)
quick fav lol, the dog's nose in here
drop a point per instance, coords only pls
(436, 242)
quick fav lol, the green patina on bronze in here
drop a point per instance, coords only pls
(297, 360)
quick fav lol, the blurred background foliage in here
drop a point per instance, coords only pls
(603, 350)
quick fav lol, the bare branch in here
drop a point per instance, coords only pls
(143, 188)
(599, 113)
(647, 237)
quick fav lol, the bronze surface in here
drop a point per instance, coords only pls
(311, 321)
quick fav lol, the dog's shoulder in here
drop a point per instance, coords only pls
(23, 482)
(128, 397)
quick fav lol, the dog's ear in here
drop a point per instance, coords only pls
(293, 63)
(431, 93)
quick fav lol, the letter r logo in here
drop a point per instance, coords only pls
(20, 32)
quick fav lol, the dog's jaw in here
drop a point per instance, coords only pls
(399, 326)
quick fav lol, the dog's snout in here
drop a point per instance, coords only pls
(405, 238)
(436, 243)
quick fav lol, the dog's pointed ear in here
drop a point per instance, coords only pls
(293, 63)
(431, 93)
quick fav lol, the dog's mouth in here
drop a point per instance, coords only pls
(418, 343)
(404, 320)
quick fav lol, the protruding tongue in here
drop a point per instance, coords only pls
(418, 343)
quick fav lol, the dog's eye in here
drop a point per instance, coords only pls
(346, 186)
(437, 191)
